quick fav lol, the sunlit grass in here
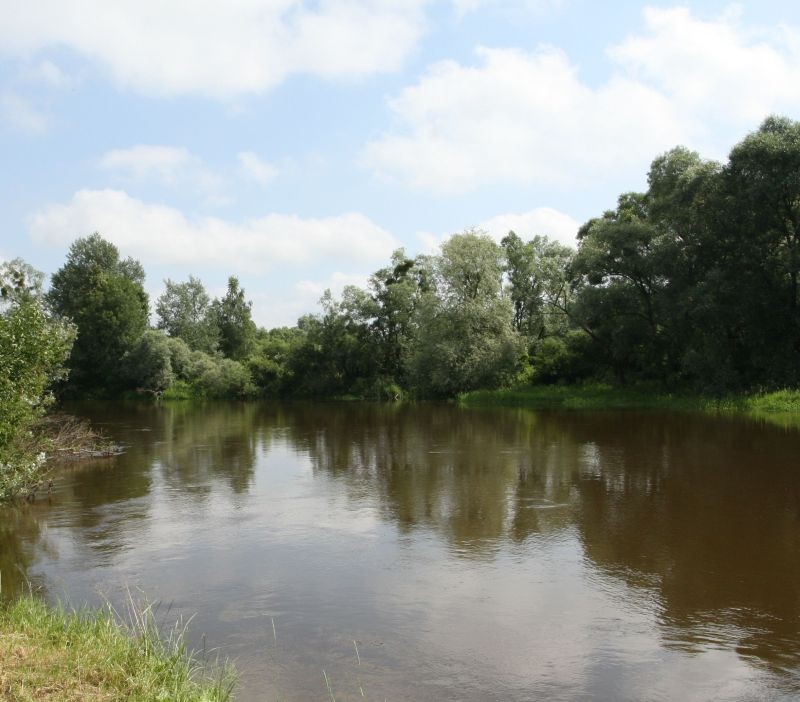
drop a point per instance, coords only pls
(52, 654)
(782, 405)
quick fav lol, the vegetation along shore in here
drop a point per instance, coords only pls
(779, 404)
(52, 654)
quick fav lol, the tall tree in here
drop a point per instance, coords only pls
(539, 284)
(184, 312)
(104, 297)
(465, 337)
(233, 316)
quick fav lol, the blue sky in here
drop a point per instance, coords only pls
(296, 144)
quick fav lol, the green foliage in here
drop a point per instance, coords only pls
(19, 281)
(184, 312)
(464, 329)
(148, 365)
(95, 657)
(336, 351)
(223, 378)
(104, 298)
(559, 358)
(180, 356)
(33, 347)
(695, 282)
(269, 362)
(539, 285)
(233, 319)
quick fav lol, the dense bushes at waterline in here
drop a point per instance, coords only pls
(33, 347)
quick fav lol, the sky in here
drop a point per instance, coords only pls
(296, 144)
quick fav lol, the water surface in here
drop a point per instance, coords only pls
(471, 554)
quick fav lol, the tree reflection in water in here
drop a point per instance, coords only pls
(699, 514)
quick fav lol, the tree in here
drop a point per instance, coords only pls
(465, 339)
(33, 348)
(20, 281)
(337, 354)
(84, 255)
(234, 320)
(269, 362)
(396, 292)
(539, 285)
(759, 244)
(104, 297)
(184, 312)
(148, 365)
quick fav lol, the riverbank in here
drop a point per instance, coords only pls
(54, 655)
(782, 403)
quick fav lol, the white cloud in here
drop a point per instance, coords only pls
(21, 114)
(158, 234)
(714, 69)
(519, 117)
(542, 220)
(464, 7)
(336, 283)
(256, 169)
(284, 308)
(165, 165)
(528, 117)
(219, 49)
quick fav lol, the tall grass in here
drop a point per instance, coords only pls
(53, 654)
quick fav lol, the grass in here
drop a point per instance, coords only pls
(55, 655)
(785, 403)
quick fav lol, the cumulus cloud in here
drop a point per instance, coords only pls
(336, 283)
(222, 49)
(714, 69)
(527, 117)
(464, 7)
(164, 165)
(159, 234)
(284, 307)
(542, 220)
(254, 168)
(522, 117)
(546, 221)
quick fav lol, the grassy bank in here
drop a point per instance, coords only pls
(58, 656)
(606, 397)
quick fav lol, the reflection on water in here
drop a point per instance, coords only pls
(473, 554)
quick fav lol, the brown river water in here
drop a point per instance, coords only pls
(471, 554)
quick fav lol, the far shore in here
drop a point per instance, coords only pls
(781, 406)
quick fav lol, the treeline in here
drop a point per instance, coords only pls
(692, 284)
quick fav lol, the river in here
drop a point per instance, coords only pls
(470, 554)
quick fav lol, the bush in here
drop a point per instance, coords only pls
(179, 357)
(33, 348)
(148, 365)
(225, 378)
